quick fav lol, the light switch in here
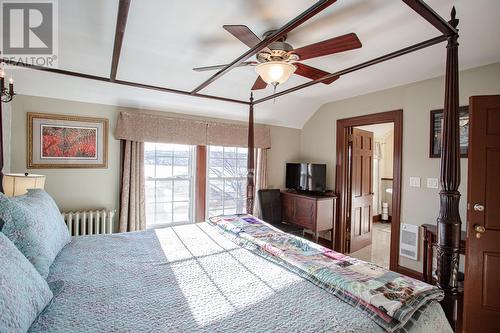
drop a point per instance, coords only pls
(415, 181)
(432, 183)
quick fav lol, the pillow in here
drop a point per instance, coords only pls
(23, 292)
(34, 224)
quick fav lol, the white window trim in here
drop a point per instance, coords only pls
(208, 178)
(192, 185)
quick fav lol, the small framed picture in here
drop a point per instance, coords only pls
(437, 130)
(59, 141)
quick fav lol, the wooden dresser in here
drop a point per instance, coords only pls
(313, 212)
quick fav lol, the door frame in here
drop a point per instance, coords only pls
(342, 188)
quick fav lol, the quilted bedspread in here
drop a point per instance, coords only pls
(390, 298)
(192, 279)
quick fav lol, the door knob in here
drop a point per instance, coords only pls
(479, 229)
(478, 207)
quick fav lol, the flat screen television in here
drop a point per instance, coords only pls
(306, 177)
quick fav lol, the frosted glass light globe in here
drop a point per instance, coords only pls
(275, 72)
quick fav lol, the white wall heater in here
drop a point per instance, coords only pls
(89, 222)
(408, 244)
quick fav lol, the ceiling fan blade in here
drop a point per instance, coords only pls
(312, 73)
(259, 84)
(244, 34)
(329, 46)
(215, 67)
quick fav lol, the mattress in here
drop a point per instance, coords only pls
(192, 279)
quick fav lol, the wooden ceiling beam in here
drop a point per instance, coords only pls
(120, 82)
(431, 16)
(310, 12)
(121, 23)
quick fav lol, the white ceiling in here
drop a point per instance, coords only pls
(164, 40)
(379, 130)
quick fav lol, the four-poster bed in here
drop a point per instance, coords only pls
(449, 223)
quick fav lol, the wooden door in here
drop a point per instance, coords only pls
(482, 264)
(361, 189)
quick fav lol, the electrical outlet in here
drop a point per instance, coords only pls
(432, 183)
(415, 181)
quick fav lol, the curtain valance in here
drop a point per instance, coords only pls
(144, 127)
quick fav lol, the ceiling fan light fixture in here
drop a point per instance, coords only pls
(275, 72)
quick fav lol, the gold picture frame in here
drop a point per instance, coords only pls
(60, 141)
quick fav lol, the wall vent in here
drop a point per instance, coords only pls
(408, 245)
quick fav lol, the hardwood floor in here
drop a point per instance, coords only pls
(321, 241)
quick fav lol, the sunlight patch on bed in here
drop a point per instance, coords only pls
(217, 277)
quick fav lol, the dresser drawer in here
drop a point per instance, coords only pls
(287, 208)
(305, 213)
(308, 211)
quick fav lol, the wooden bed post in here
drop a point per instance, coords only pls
(448, 222)
(250, 161)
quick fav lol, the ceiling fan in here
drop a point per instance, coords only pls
(279, 60)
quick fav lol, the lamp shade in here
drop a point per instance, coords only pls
(275, 72)
(17, 183)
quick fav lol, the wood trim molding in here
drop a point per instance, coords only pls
(201, 184)
(120, 82)
(121, 23)
(378, 218)
(425, 11)
(341, 186)
(409, 272)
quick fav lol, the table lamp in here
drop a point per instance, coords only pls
(17, 183)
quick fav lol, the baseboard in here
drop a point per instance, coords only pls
(378, 218)
(321, 241)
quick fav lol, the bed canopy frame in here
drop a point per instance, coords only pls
(448, 222)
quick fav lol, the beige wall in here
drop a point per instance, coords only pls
(419, 205)
(95, 188)
(71, 188)
(387, 161)
(285, 144)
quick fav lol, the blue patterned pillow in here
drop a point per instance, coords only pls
(34, 224)
(23, 292)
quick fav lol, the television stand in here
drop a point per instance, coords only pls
(310, 211)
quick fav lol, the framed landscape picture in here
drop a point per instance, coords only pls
(437, 127)
(58, 141)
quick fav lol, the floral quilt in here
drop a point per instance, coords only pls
(389, 298)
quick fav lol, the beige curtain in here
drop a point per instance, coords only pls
(132, 203)
(260, 177)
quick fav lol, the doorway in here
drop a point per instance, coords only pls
(371, 234)
(370, 198)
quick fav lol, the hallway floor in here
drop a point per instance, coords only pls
(379, 251)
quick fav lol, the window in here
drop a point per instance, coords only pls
(168, 169)
(227, 180)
